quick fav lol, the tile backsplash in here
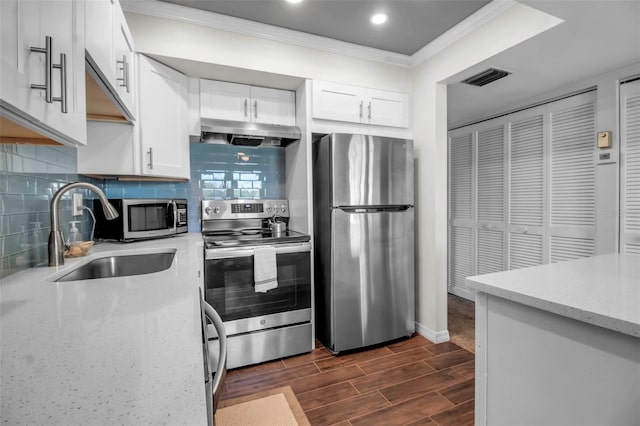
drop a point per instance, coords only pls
(232, 171)
(31, 174)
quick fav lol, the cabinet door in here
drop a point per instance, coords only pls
(63, 21)
(386, 108)
(19, 67)
(630, 170)
(461, 211)
(123, 62)
(99, 35)
(273, 106)
(224, 101)
(339, 102)
(527, 194)
(163, 120)
(490, 197)
(572, 178)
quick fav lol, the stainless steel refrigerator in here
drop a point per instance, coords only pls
(364, 240)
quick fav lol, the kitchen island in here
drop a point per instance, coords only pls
(559, 344)
(122, 350)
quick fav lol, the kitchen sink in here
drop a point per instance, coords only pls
(121, 266)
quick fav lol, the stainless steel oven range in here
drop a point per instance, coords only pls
(260, 325)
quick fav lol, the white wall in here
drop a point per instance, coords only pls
(158, 36)
(430, 135)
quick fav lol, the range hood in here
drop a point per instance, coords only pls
(249, 134)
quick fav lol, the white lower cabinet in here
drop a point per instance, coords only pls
(157, 146)
(42, 68)
(342, 102)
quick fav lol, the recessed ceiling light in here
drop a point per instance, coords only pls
(294, 1)
(379, 18)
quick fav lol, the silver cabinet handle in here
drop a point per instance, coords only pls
(369, 108)
(150, 163)
(255, 109)
(62, 66)
(361, 109)
(47, 71)
(246, 105)
(125, 72)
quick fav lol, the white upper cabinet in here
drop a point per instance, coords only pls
(164, 133)
(123, 51)
(273, 106)
(341, 102)
(157, 145)
(224, 101)
(386, 108)
(110, 52)
(239, 102)
(42, 71)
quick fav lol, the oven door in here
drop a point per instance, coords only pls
(229, 288)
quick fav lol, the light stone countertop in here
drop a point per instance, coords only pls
(602, 290)
(107, 351)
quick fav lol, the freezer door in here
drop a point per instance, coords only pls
(372, 278)
(371, 170)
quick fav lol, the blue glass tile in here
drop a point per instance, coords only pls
(27, 151)
(11, 204)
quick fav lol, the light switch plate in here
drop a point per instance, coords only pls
(604, 139)
(77, 204)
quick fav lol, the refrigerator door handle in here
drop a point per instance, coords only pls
(369, 209)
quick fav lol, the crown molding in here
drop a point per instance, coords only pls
(217, 21)
(256, 29)
(464, 27)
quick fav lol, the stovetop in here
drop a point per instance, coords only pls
(251, 237)
(228, 223)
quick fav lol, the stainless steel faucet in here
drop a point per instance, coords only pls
(56, 243)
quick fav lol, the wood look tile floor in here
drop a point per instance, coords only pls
(407, 382)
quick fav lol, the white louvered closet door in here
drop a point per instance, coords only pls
(461, 211)
(490, 197)
(572, 178)
(527, 179)
(630, 167)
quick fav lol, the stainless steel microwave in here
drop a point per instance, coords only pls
(141, 219)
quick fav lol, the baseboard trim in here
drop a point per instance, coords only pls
(465, 293)
(432, 335)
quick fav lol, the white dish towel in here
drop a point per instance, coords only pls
(265, 271)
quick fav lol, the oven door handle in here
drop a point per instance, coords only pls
(227, 253)
(221, 368)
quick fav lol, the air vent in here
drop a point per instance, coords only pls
(486, 77)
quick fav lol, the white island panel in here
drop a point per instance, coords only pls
(558, 344)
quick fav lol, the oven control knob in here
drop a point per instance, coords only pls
(216, 210)
(283, 208)
(269, 208)
(207, 210)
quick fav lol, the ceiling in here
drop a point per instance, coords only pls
(412, 24)
(596, 36)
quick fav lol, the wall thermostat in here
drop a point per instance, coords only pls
(604, 139)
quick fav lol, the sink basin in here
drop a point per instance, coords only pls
(121, 266)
